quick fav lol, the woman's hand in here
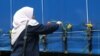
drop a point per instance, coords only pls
(59, 22)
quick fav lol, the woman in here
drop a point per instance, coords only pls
(22, 20)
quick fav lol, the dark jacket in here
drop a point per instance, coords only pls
(32, 43)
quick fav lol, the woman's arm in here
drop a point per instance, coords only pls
(43, 29)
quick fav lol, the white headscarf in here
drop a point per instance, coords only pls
(20, 19)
